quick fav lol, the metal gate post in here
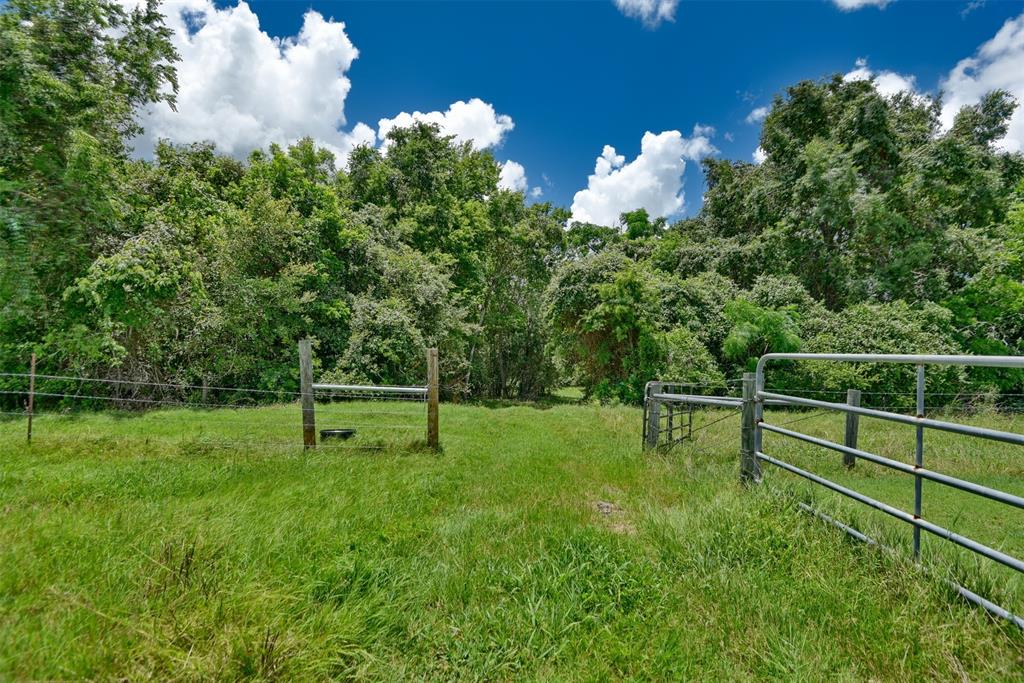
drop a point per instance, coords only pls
(750, 468)
(919, 461)
(852, 427)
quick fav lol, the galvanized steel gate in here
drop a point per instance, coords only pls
(752, 451)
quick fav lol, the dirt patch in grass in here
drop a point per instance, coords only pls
(614, 517)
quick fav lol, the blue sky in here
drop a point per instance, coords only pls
(576, 76)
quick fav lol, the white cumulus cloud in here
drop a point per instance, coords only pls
(651, 12)
(887, 83)
(652, 181)
(853, 5)
(474, 121)
(512, 176)
(759, 155)
(998, 64)
(243, 89)
(757, 115)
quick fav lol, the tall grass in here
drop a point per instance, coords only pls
(541, 543)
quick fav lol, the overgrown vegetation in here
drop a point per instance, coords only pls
(867, 228)
(541, 544)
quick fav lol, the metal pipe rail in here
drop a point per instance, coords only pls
(654, 399)
(429, 394)
(723, 401)
(939, 531)
(917, 421)
(965, 593)
(656, 396)
(753, 452)
(408, 391)
(904, 358)
(952, 482)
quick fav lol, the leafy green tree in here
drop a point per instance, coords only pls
(988, 311)
(601, 312)
(196, 267)
(72, 74)
(757, 331)
(625, 345)
(862, 197)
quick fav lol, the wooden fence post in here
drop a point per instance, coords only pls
(308, 404)
(31, 394)
(671, 423)
(852, 427)
(750, 467)
(653, 415)
(432, 399)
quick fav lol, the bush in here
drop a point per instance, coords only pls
(881, 328)
(385, 346)
(687, 360)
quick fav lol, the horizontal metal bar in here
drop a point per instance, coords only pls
(922, 359)
(374, 389)
(969, 430)
(700, 400)
(964, 592)
(726, 401)
(988, 605)
(970, 487)
(934, 529)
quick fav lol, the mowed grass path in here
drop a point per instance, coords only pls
(540, 544)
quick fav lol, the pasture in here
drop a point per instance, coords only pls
(540, 543)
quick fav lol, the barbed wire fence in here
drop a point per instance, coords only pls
(271, 416)
(51, 406)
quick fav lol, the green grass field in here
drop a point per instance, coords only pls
(540, 544)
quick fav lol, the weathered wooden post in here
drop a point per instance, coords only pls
(750, 467)
(31, 394)
(852, 427)
(308, 404)
(653, 414)
(671, 423)
(433, 436)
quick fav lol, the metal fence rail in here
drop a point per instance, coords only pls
(668, 411)
(753, 452)
(364, 389)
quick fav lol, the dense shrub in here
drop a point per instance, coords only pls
(688, 360)
(882, 328)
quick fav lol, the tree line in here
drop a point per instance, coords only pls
(868, 228)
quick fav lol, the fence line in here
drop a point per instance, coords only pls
(326, 394)
(753, 452)
(131, 382)
(755, 399)
(427, 393)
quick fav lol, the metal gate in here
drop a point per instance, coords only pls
(753, 452)
(665, 424)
